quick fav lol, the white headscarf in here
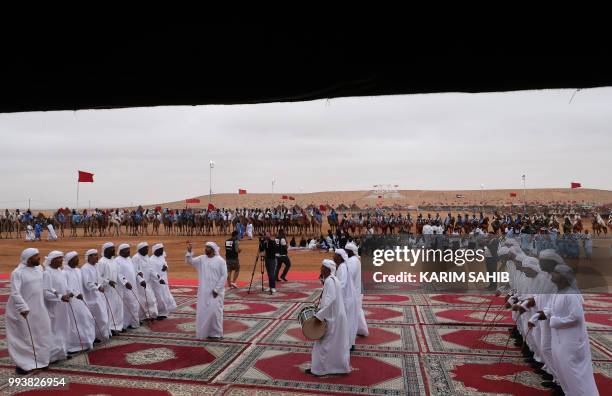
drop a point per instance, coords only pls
(107, 245)
(141, 245)
(550, 254)
(53, 255)
(568, 273)
(342, 253)
(157, 246)
(89, 253)
(123, 246)
(69, 256)
(531, 262)
(26, 254)
(352, 247)
(331, 265)
(213, 246)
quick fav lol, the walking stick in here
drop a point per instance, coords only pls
(136, 297)
(93, 316)
(111, 309)
(147, 302)
(76, 325)
(32, 341)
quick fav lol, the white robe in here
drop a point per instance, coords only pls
(95, 300)
(27, 295)
(85, 326)
(52, 235)
(108, 270)
(54, 287)
(165, 301)
(344, 275)
(145, 294)
(354, 266)
(212, 273)
(131, 301)
(331, 354)
(570, 345)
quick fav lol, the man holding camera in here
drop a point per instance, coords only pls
(268, 247)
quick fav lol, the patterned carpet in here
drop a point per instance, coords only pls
(418, 345)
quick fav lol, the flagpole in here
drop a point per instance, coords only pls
(524, 196)
(77, 200)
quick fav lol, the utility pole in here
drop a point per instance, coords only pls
(211, 164)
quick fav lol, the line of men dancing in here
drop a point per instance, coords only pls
(63, 309)
(547, 308)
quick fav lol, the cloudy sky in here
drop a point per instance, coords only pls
(437, 141)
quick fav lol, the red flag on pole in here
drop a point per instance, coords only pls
(285, 197)
(211, 207)
(576, 185)
(85, 177)
(242, 191)
(192, 200)
(513, 194)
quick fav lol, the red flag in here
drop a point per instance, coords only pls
(158, 208)
(576, 185)
(513, 194)
(85, 177)
(242, 191)
(211, 207)
(285, 197)
(292, 198)
(192, 200)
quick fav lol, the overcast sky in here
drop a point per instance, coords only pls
(436, 141)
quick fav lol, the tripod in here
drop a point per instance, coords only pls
(261, 259)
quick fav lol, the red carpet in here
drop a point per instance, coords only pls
(419, 344)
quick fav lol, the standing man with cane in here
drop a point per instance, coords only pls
(268, 245)
(29, 346)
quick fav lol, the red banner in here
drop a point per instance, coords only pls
(576, 185)
(85, 177)
(285, 197)
(513, 194)
(192, 200)
(242, 191)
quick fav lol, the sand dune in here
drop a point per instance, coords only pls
(364, 199)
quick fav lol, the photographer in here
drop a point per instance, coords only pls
(282, 256)
(268, 246)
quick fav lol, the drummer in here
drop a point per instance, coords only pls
(331, 354)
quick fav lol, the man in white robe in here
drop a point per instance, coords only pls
(344, 275)
(354, 266)
(27, 319)
(57, 298)
(83, 329)
(570, 340)
(93, 294)
(127, 282)
(212, 273)
(108, 270)
(331, 354)
(159, 267)
(145, 292)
